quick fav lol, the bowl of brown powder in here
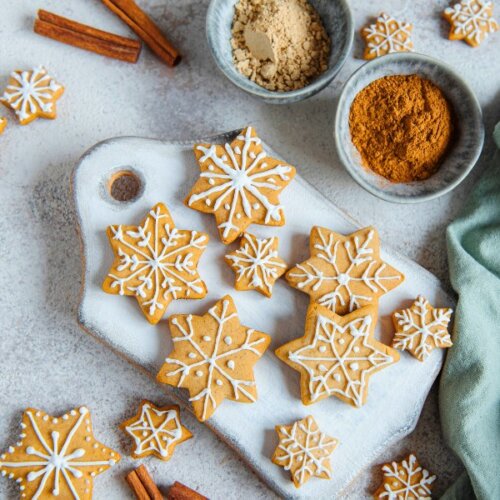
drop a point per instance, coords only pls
(281, 51)
(408, 128)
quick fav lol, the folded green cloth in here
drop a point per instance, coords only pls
(469, 393)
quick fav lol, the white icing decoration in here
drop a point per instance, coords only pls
(382, 38)
(228, 340)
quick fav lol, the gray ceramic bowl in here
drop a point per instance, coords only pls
(469, 133)
(337, 19)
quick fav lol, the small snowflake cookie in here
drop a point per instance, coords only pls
(56, 456)
(421, 328)
(213, 357)
(386, 36)
(32, 94)
(156, 262)
(156, 430)
(3, 124)
(256, 264)
(471, 20)
(239, 184)
(304, 450)
(405, 480)
(344, 273)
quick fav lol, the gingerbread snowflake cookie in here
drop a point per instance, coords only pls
(344, 273)
(156, 262)
(56, 456)
(421, 328)
(304, 450)
(385, 36)
(256, 264)
(32, 94)
(213, 357)
(337, 355)
(405, 480)
(240, 184)
(471, 21)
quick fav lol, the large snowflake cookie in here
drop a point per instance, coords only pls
(405, 480)
(337, 355)
(213, 357)
(156, 430)
(421, 328)
(240, 184)
(471, 20)
(156, 262)
(32, 94)
(256, 264)
(56, 456)
(344, 273)
(304, 450)
(385, 36)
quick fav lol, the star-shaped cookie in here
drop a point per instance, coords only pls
(32, 94)
(337, 355)
(156, 430)
(344, 273)
(240, 184)
(421, 328)
(256, 264)
(156, 262)
(213, 357)
(304, 450)
(56, 456)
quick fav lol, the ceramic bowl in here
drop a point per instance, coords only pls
(337, 19)
(467, 143)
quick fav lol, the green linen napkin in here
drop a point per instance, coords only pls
(469, 395)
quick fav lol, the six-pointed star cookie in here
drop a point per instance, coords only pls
(156, 262)
(156, 430)
(344, 272)
(213, 357)
(56, 456)
(304, 450)
(421, 328)
(239, 184)
(256, 264)
(337, 355)
(32, 94)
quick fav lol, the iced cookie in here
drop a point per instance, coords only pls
(213, 357)
(337, 355)
(385, 36)
(405, 480)
(471, 21)
(304, 450)
(240, 184)
(32, 94)
(344, 273)
(156, 430)
(3, 124)
(256, 264)
(56, 456)
(421, 328)
(156, 262)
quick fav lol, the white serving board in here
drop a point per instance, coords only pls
(168, 171)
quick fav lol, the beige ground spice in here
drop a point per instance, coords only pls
(290, 46)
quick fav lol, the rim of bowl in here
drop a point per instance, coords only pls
(312, 88)
(394, 198)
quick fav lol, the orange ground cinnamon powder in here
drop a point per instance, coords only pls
(402, 126)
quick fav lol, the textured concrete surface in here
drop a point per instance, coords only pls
(47, 361)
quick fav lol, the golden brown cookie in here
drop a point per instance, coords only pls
(32, 94)
(56, 456)
(240, 184)
(337, 355)
(156, 262)
(213, 357)
(256, 264)
(421, 328)
(344, 273)
(156, 430)
(3, 124)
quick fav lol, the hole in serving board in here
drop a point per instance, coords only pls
(124, 186)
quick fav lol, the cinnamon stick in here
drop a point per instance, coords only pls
(148, 483)
(136, 486)
(179, 491)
